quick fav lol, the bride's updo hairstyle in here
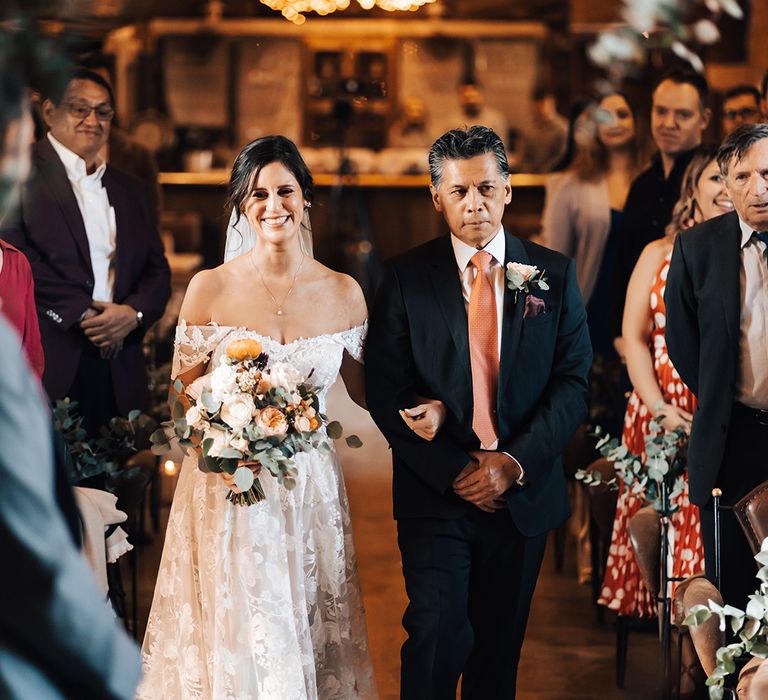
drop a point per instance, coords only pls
(255, 156)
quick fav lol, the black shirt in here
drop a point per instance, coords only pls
(647, 212)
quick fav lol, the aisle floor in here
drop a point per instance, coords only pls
(567, 654)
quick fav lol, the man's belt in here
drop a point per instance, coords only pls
(758, 415)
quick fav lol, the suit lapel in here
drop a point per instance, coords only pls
(52, 170)
(512, 315)
(729, 257)
(447, 288)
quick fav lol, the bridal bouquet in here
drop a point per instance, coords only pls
(249, 411)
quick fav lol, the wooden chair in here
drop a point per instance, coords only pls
(602, 510)
(578, 453)
(130, 499)
(752, 513)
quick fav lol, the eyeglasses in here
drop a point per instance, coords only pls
(81, 110)
(743, 113)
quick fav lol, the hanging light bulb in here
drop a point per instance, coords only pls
(294, 10)
(170, 467)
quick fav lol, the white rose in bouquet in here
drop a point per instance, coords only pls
(240, 444)
(285, 376)
(237, 411)
(220, 441)
(195, 418)
(223, 382)
(272, 422)
(302, 424)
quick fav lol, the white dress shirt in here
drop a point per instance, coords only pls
(497, 247)
(752, 386)
(98, 217)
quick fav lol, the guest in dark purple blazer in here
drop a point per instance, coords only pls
(100, 274)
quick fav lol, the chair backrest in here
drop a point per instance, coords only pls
(706, 637)
(579, 451)
(752, 514)
(602, 499)
(645, 535)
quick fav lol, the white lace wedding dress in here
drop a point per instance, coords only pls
(260, 602)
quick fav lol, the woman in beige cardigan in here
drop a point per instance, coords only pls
(582, 213)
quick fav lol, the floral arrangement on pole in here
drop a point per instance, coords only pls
(750, 627)
(657, 479)
(659, 24)
(108, 452)
(248, 413)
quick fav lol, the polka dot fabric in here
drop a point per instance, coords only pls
(623, 590)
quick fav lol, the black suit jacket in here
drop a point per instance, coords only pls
(703, 300)
(49, 230)
(418, 344)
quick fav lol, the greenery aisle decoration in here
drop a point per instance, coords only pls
(749, 626)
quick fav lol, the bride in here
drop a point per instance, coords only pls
(263, 602)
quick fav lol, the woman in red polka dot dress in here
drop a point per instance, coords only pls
(658, 389)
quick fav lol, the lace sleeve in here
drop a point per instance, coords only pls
(353, 341)
(193, 345)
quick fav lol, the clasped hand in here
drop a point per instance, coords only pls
(486, 478)
(106, 324)
(425, 419)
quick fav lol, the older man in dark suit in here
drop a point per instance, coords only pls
(101, 277)
(717, 335)
(509, 359)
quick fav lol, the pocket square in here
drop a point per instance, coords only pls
(533, 306)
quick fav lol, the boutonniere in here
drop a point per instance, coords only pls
(525, 278)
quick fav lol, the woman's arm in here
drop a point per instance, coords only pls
(637, 325)
(196, 311)
(352, 371)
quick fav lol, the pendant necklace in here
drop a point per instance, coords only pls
(279, 307)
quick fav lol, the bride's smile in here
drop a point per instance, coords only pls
(275, 206)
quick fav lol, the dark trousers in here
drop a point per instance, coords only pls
(469, 581)
(745, 465)
(93, 391)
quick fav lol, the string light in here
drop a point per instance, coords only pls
(169, 467)
(294, 10)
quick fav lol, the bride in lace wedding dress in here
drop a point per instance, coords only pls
(263, 602)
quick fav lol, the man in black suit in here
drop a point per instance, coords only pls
(474, 505)
(101, 277)
(717, 335)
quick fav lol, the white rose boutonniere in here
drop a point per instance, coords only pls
(525, 278)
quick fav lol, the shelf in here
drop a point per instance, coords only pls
(220, 178)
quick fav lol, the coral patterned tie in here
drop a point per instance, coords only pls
(483, 350)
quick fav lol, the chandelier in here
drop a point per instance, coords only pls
(294, 10)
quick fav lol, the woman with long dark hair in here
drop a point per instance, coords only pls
(263, 601)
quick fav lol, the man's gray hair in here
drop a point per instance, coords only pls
(463, 144)
(738, 143)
